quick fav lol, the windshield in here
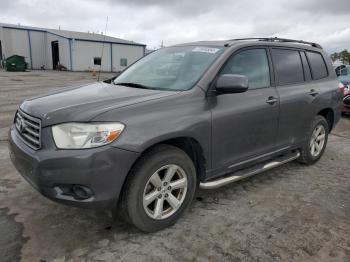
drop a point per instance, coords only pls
(173, 68)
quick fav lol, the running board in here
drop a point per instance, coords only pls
(259, 168)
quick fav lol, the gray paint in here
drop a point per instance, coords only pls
(233, 130)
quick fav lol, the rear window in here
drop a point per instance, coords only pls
(318, 66)
(288, 66)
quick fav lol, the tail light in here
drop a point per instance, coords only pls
(341, 88)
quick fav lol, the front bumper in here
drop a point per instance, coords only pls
(103, 170)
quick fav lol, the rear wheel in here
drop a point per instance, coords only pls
(318, 136)
(159, 188)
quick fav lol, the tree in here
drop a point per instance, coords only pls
(343, 56)
(335, 56)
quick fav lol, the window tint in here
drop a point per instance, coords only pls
(287, 66)
(318, 67)
(252, 63)
(306, 66)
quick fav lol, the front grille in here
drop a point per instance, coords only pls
(29, 129)
(346, 100)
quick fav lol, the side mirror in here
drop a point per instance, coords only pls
(110, 80)
(230, 83)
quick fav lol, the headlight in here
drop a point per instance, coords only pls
(85, 135)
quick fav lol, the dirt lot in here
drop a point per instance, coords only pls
(293, 213)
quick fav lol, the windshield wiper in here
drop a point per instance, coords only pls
(134, 85)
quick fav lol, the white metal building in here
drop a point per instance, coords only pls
(74, 50)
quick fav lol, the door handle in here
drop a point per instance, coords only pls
(271, 100)
(313, 92)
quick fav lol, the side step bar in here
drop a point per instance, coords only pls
(250, 171)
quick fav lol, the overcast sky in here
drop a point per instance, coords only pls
(324, 21)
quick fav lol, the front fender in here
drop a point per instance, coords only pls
(184, 115)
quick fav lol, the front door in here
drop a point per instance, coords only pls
(244, 125)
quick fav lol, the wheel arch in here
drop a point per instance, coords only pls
(328, 114)
(187, 144)
(190, 146)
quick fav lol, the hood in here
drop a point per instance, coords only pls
(83, 103)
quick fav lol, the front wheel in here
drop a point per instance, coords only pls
(159, 188)
(317, 140)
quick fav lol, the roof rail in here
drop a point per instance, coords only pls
(277, 39)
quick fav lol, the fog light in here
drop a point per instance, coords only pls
(81, 192)
(73, 192)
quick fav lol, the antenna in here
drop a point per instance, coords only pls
(103, 45)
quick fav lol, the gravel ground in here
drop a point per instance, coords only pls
(292, 213)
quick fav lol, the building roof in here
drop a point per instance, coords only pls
(94, 37)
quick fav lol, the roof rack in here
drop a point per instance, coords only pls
(277, 39)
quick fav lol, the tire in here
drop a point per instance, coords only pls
(307, 154)
(143, 184)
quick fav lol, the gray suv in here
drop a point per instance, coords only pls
(197, 115)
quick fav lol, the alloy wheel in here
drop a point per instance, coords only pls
(317, 141)
(165, 191)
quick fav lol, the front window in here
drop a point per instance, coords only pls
(173, 68)
(253, 64)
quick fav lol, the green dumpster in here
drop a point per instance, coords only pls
(15, 63)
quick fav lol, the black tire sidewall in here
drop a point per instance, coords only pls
(141, 174)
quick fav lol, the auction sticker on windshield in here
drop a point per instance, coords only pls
(205, 49)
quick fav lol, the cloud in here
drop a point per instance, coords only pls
(153, 21)
(318, 7)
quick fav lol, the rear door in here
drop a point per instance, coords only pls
(293, 81)
(244, 125)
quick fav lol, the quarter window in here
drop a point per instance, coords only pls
(318, 66)
(288, 66)
(253, 64)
